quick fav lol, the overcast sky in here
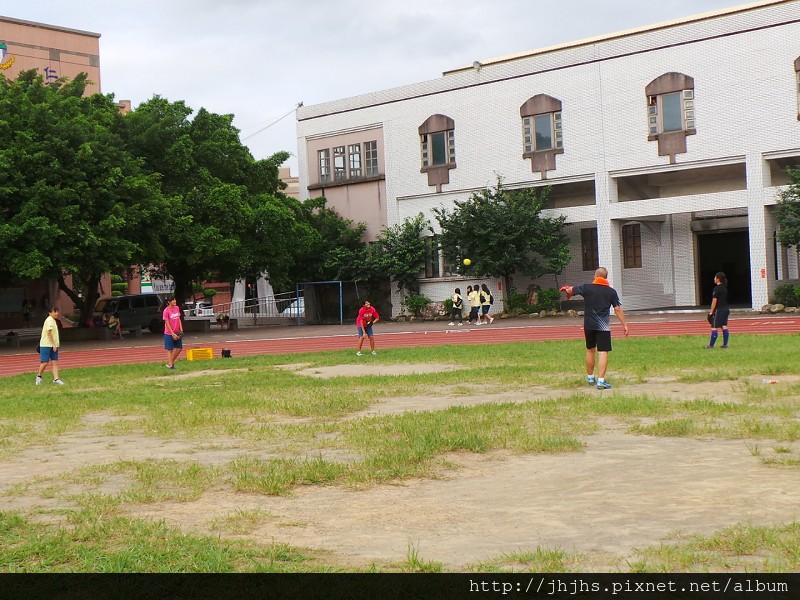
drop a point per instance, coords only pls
(257, 59)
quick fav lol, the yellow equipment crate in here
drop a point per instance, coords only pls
(199, 354)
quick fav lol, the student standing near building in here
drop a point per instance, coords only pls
(456, 310)
(367, 317)
(486, 303)
(599, 297)
(173, 331)
(719, 312)
(48, 347)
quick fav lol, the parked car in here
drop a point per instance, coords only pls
(296, 309)
(136, 311)
(198, 309)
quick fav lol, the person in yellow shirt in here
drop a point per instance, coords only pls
(48, 347)
(486, 304)
(474, 298)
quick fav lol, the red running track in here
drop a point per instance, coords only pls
(150, 351)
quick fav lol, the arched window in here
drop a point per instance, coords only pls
(670, 113)
(437, 149)
(541, 132)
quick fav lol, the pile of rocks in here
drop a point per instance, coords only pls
(773, 309)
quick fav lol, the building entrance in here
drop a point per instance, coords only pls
(729, 252)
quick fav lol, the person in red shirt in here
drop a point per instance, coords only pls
(367, 317)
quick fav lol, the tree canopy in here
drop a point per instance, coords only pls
(85, 191)
(503, 232)
(73, 199)
(337, 251)
(399, 253)
(228, 217)
(788, 212)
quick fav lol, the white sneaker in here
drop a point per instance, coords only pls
(451, 323)
(374, 353)
(38, 380)
(58, 382)
(491, 320)
(460, 324)
(358, 353)
(478, 323)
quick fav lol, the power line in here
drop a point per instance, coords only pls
(299, 104)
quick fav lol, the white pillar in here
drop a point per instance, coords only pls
(266, 296)
(761, 227)
(609, 239)
(684, 265)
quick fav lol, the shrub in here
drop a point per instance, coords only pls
(209, 292)
(786, 294)
(120, 287)
(448, 304)
(549, 299)
(415, 303)
(518, 303)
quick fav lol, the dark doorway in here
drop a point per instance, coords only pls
(729, 252)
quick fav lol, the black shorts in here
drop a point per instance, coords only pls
(599, 339)
(720, 318)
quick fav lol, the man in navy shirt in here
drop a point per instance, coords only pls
(600, 298)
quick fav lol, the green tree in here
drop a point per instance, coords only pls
(228, 214)
(503, 232)
(399, 253)
(788, 212)
(73, 200)
(338, 251)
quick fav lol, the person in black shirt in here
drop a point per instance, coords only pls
(600, 297)
(719, 312)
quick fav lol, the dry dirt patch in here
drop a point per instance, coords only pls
(362, 370)
(621, 492)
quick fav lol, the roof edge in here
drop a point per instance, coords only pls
(46, 26)
(619, 34)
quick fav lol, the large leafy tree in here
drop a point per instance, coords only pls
(503, 232)
(228, 216)
(788, 212)
(73, 200)
(337, 251)
(399, 253)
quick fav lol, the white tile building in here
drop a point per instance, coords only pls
(665, 147)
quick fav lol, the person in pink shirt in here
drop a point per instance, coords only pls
(173, 331)
(367, 317)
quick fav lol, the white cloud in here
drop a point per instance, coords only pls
(257, 58)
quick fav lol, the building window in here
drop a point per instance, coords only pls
(354, 154)
(437, 149)
(542, 132)
(371, 158)
(589, 249)
(432, 258)
(670, 113)
(632, 246)
(324, 160)
(339, 166)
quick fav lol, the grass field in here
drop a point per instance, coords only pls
(258, 429)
